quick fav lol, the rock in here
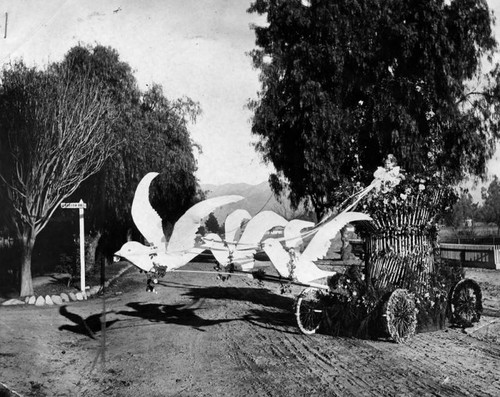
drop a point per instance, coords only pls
(57, 299)
(40, 301)
(64, 297)
(79, 296)
(48, 300)
(94, 290)
(12, 302)
(32, 300)
(26, 299)
(72, 296)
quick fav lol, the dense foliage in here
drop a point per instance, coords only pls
(153, 135)
(346, 82)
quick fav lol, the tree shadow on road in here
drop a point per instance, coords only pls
(88, 326)
(170, 314)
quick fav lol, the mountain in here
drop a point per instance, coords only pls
(257, 197)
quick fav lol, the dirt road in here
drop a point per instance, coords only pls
(203, 337)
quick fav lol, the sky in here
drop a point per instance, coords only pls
(192, 48)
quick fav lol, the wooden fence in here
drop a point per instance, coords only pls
(472, 255)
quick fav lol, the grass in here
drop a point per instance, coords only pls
(57, 283)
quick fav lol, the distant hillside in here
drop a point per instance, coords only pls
(257, 197)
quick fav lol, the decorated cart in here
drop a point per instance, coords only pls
(405, 287)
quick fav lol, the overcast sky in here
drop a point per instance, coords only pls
(192, 48)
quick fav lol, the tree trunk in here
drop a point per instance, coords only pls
(90, 255)
(27, 242)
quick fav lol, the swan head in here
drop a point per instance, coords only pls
(136, 253)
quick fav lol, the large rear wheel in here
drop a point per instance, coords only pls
(309, 311)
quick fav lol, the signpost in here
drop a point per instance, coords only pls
(81, 207)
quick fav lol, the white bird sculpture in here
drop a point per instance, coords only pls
(242, 253)
(233, 225)
(292, 232)
(180, 249)
(301, 267)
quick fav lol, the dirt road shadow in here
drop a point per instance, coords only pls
(170, 314)
(258, 296)
(273, 310)
(85, 326)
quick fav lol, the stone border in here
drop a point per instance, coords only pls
(63, 298)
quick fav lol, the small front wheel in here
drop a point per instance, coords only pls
(466, 303)
(401, 315)
(309, 311)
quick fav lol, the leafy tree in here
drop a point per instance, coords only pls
(490, 210)
(212, 225)
(54, 134)
(153, 135)
(344, 83)
(463, 209)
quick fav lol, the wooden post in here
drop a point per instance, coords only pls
(81, 207)
(82, 247)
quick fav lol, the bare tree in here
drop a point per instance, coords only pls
(54, 134)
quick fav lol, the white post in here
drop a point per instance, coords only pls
(82, 248)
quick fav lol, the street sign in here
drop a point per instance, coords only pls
(81, 207)
(74, 205)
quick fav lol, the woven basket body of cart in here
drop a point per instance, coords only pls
(401, 244)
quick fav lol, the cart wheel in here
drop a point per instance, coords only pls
(309, 311)
(401, 315)
(466, 305)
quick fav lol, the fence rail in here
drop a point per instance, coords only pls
(472, 255)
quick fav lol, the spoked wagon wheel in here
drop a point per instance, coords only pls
(465, 303)
(309, 311)
(401, 315)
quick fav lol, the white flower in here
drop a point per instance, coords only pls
(421, 187)
(403, 196)
(354, 293)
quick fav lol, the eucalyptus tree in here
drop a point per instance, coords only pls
(54, 134)
(344, 83)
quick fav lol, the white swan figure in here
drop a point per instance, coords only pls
(301, 267)
(180, 249)
(242, 253)
(292, 233)
(232, 226)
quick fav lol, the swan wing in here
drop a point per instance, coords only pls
(257, 227)
(320, 243)
(232, 226)
(292, 235)
(184, 233)
(144, 216)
